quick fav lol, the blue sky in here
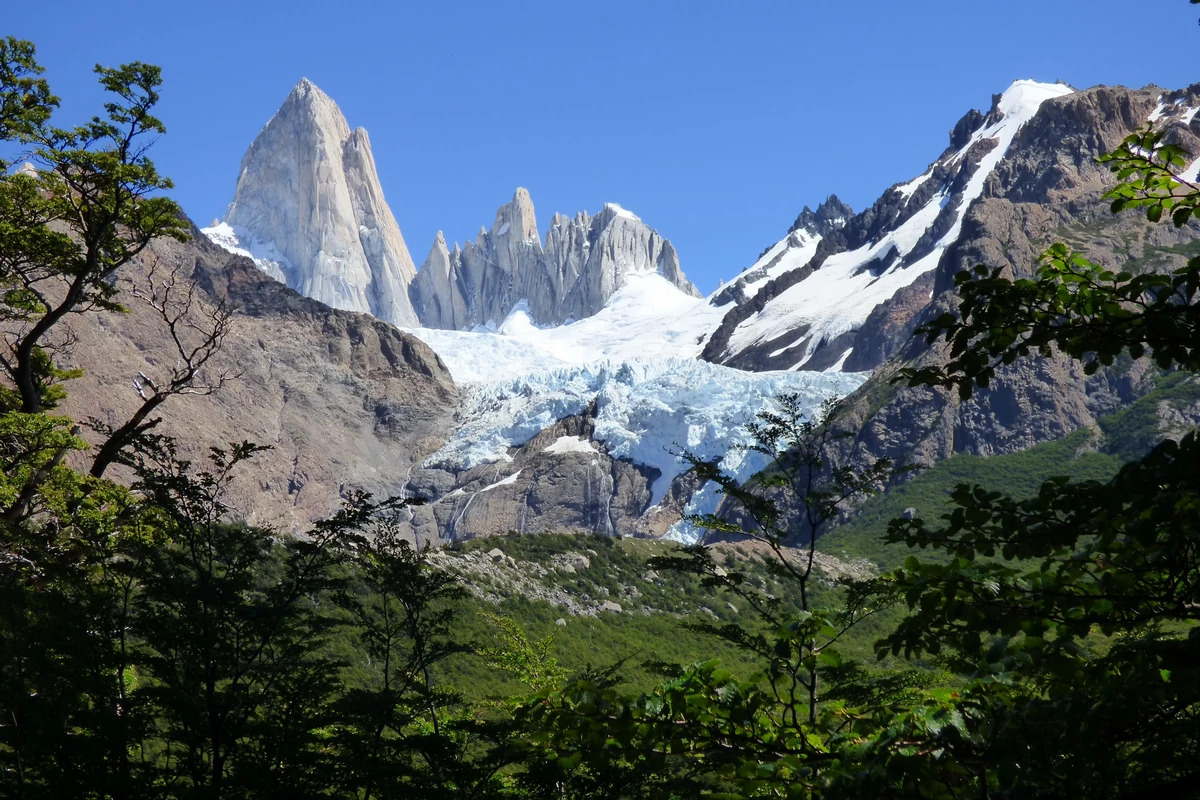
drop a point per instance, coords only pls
(716, 122)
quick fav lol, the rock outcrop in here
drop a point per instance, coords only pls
(584, 261)
(560, 481)
(308, 191)
(344, 400)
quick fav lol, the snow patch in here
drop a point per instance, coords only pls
(509, 481)
(906, 190)
(238, 240)
(620, 212)
(570, 444)
(1192, 173)
(793, 252)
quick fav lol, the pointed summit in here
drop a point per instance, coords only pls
(435, 293)
(830, 216)
(308, 187)
(518, 216)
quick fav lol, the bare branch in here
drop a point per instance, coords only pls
(196, 328)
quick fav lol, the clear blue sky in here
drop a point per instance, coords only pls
(716, 122)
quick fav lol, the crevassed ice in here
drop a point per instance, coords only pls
(647, 410)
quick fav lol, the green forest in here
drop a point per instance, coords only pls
(1023, 626)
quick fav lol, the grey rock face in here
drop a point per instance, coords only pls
(584, 261)
(594, 257)
(831, 215)
(546, 489)
(308, 206)
(308, 185)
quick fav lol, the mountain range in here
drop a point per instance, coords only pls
(546, 382)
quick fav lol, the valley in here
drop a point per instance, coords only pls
(907, 506)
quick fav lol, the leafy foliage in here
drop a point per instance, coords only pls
(1071, 611)
(152, 644)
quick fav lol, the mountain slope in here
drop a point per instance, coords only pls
(808, 317)
(1048, 189)
(344, 400)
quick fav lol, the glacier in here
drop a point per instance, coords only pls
(646, 409)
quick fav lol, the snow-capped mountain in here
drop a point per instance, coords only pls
(308, 208)
(580, 356)
(610, 283)
(808, 309)
(585, 260)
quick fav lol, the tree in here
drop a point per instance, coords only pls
(196, 329)
(1073, 613)
(704, 732)
(89, 208)
(394, 736)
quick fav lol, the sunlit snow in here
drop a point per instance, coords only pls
(621, 212)
(509, 481)
(646, 318)
(241, 241)
(792, 252)
(570, 444)
(840, 295)
(1192, 173)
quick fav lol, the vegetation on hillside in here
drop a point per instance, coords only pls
(1036, 640)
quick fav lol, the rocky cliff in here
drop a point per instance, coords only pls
(585, 261)
(309, 211)
(344, 400)
(309, 208)
(1048, 189)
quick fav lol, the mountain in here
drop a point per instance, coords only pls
(1048, 188)
(808, 315)
(308, 208)
(844, 291)
(585, 261)
(579, 358)
(343, 400)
